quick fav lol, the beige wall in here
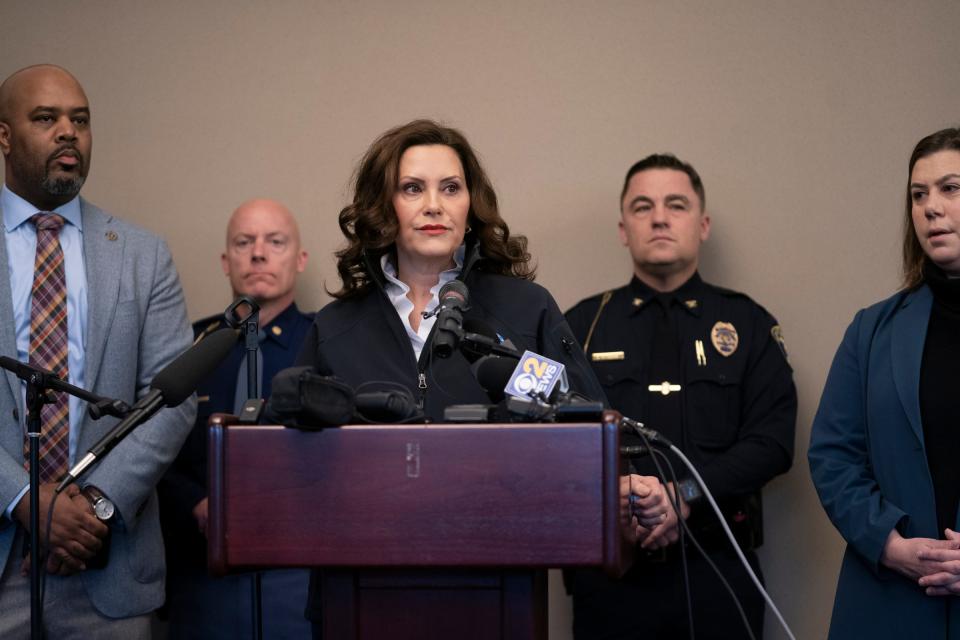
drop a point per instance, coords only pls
(800, 117)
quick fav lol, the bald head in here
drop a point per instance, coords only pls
(266, 210)
(45, 135)
(22, 82)
(263, 254)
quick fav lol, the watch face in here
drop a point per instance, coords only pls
(103, 508)
(689, 491)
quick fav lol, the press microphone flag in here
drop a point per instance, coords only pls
(534, 375)
(169, 388)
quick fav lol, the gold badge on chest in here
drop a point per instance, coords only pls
(724, 338)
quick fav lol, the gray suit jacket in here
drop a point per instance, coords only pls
(136, 324)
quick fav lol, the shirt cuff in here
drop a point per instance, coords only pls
(8, 512)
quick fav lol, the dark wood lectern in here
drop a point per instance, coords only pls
(424, 531)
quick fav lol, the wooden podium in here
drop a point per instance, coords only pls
(423, 531)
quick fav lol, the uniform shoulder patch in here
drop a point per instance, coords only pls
(202, 328)
(777, 334)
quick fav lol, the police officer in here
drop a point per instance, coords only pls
(706, 367)
(262, 259)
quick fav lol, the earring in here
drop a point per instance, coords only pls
(469, 229)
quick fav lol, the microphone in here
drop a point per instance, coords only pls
(174, 384)
(25, 371)
(453, 302)
(481, 334)
(479, 339)
(493, 373)
(97, 406)
(386, 406)
(496, 375)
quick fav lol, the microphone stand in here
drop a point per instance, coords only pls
(250, 334)
(36, 398)
(251, 337)
(39, 384)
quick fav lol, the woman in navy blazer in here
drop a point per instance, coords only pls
(885, 444)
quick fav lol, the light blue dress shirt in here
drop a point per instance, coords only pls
(397, 291)
(21, 240)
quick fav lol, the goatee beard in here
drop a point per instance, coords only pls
(62, 186)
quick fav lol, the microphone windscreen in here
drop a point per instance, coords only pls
(395, 405)
(493, 373)
(181, 377)
(454, 292)
(304, 399)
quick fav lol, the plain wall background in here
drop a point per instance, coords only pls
(800, 118)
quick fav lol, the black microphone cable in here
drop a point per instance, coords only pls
(688, 533)
(674, 499)
(654, 437)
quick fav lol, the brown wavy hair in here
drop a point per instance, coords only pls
(369, 223)
(913, 255)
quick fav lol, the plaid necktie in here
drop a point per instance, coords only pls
(48, 342)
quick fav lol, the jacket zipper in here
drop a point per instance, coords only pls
(422, 377)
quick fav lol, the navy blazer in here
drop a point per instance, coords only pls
(869, 466)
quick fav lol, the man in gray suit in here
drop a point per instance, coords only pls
(125, 320)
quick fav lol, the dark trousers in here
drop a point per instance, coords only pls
(649, 603)
(201, 607)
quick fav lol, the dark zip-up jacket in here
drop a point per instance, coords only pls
(362, 340)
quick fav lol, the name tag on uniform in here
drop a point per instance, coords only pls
(604, 356)
(203, 398)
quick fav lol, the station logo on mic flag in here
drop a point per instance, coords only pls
(535, 374)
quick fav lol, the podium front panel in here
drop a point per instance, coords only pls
(414, 496)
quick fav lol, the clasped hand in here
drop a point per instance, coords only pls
(646, 514)
(75, 532)
(934, 564)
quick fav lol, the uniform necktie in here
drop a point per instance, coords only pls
(665, 411)
(48, 342)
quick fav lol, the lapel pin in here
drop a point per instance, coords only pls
(111, 236)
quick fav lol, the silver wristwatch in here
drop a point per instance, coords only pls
(102, 506)
(689, 490)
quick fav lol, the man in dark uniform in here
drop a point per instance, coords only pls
(706, 367)
(262, 259)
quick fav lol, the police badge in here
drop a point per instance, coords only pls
(724, 338)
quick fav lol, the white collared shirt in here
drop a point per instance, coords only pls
(397, 293)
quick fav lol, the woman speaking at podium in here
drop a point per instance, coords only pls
(424, 214)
